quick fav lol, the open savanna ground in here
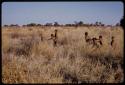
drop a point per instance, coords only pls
(28, 59)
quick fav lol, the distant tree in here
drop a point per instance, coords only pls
(96, 23)
(91, 24)
(68, 24)
(17, 25)
(48, 24)
(6, 25)
(99, 23)
(87, 25)
(80, 23)
(102, 24)
(31, 24)
(56, 24)
(39, 25)
(14, 25)
(11, 25)
(24, 25)
(118, 24)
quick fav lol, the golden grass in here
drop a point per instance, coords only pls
(27, 59)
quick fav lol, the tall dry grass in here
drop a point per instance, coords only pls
(27, 59)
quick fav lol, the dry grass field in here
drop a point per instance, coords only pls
(27, 59)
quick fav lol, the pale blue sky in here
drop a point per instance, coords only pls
(62, 12)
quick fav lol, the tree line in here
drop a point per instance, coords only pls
(80, 23)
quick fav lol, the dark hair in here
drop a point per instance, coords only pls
(112, 37)
(51, 34)
(100, 36)
(56, 30)
(86, 33)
